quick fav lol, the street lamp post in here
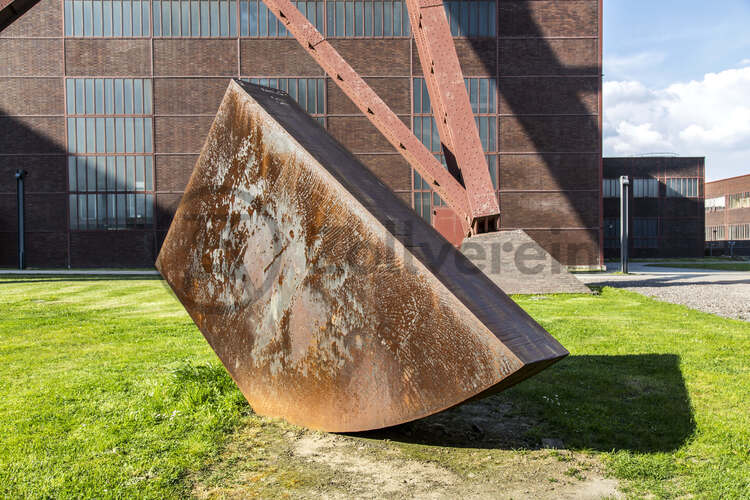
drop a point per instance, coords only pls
(624, 216)
(20, 174)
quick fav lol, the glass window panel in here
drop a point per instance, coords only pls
(137, 96)
(119, 107)
(149, 173)
(120, 203)
(138, 122)
(71, 173)
(340, 19)
(111, 177)
(111, 211)
(311, 96)
(116, 18)
(387, 18)
(166, 18)
(147, 97)
(474, 94)
(185, 18)
(149, 219)
(464, 22)
(81, 171)
(147, 133)
(397, 31)
(426, 105)
(72, 135)
(156, 13)
(331, 18)
(435, 135)
(129, 133)
(405, 21)
(130, 210)
(195, 20)
(78, 18)
(145, 30)
(90, 173)
(244, 18)
(88, 26)
(359, 24)
(140, 208)
(68, 18)
(127, 84)
(136, 8)
(175, 18)
(417, 89)
(96, 15)
(492, 146)
(224, 28)
(493, 93)
(474, 24)
(80, 135)
(214, 17)
(349, 18)
(293, 89)
(484, 86)
(107, 18)
(90, 135)
(140, 181)
(121, 178)
(70, 95)
(120, 134)
(205, 19)
(126, 18)
(73, 209)
(130, 173)
(101, 210)
(492, 164)
(378, 19)
(99, 96)
(89, 93)
(426, 209)
(100, 137)
(82, 211)
(101, 173)
(321, 99)
(368, 18)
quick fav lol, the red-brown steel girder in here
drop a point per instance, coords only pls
(452, 109)
(373, 107)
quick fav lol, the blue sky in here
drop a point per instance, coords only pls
(677, 80)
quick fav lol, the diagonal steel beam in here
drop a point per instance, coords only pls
(377, 111)
(452, 108)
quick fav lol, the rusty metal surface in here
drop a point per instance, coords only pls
(451, 106)
(373, 107)
(329, 301)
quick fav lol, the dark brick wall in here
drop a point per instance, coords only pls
(681, 221)
(546, 60)
(727, 217)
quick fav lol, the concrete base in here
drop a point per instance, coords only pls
(519, 265)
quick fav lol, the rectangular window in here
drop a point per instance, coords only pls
(611, 188)
(366, 18)
(739, 200)
(106, 18)
(715, 204)
(645, 188)
(645, 233)
(680, 187)
(483, 98)
(195, 18)
(110, 146)
(307, 92)
(472, 18)
(739, 232)
(257, 21)
(716, 233)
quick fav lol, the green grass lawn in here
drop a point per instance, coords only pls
(714, 266)
(109, 390)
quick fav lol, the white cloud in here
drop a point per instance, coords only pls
(745, 62)
(622, 66)
(708, 118)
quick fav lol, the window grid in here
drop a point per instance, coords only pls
(107, 18)
(716, 233)
(682, 187)
(715, 204)
(645, 188)
(611, 233)
(309, 93)
(110, 145)
(739, 200)
(739, 232)
(195, 18)
(610, 188)
(380, 19)
(483, 98)
(471, 18)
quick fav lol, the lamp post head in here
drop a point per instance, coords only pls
(20, 174)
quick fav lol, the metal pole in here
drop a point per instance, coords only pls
(20, 174)
(624, 216)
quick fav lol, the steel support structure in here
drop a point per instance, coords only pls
(452, 109)
(475, 204)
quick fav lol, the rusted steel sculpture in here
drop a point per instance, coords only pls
(331, 302)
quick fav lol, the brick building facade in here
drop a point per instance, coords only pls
(728, 215)
(106, 104)
(666, 206)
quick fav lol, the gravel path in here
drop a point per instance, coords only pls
(724, 293)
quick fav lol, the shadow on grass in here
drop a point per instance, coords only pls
(13, 279)
(604, 403)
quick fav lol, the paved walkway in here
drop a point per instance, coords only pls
(725, 293)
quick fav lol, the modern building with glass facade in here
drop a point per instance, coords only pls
(666, 206)
(106, 103)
